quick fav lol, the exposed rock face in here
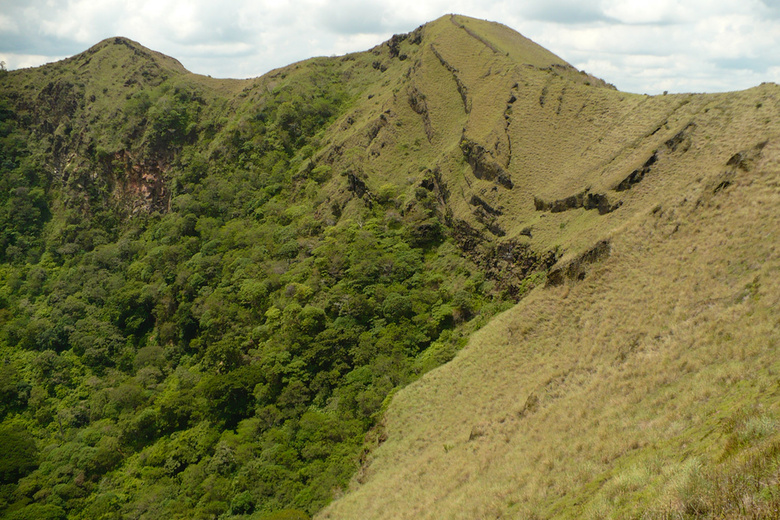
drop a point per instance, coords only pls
(356, 186)
(139, 185)
(433, 182)
(680, 142)
(740, 162)
(57, 102)
(483, 164)
(474, 35)
(418, 103)
(584, 199)
(509, 263)
(637, 175)
(576, 269)
(486, 215)
(487, 208)
(746, 159)
(375, 126)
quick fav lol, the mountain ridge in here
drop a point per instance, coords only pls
(216, 291)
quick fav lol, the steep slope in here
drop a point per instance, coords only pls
(210, 288)
(528, 158)
(650, 385)
(447, 122)
(201, 315)
(642, 379)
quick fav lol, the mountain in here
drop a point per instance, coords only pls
(448, 277)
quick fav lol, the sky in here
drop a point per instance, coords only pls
(642, 46)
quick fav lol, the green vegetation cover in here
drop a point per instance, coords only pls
(227, 298)
(193, 325)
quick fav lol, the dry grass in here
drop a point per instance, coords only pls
(610, 397)
(632, 371)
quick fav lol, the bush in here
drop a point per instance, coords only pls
(287, 514)
(19, 454)
(38, 512)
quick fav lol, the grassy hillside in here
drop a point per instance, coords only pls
(648, 388)
(215, 292)
(641, 380)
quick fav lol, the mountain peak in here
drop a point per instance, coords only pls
(241, 273)
(118, 49)
(499, 39)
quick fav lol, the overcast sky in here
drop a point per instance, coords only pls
(643, 46)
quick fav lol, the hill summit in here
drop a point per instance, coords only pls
(448, 277)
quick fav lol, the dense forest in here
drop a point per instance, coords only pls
(452, 276)
(191, 324)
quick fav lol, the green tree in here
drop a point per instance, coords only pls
(19, 455)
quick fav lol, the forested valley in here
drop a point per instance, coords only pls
(221, 343)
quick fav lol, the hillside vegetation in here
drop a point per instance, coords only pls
(229, 298)
(641, 381)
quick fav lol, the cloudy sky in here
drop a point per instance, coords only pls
(643, 46)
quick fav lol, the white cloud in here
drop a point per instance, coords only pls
(642, 12)
(21, 61)
(640, 46)
(563, 11)
(8, 25)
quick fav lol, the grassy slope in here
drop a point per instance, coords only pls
(631, 379)
(644, 388)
